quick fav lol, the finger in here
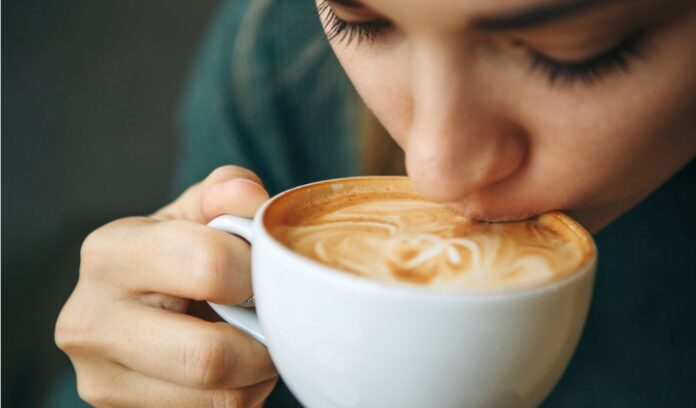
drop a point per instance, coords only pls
(237, 197)
(178, 257)
(182, 349)
(235, 190)
(111, 384)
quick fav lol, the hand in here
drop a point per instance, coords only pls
(135, 327)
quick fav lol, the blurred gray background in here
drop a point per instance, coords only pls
(89, 90)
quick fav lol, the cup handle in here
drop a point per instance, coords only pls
(244, 319)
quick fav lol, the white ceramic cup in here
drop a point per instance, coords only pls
(340, 340)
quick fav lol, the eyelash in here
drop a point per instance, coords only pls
(341, 30)
(588, 71)
(616, 59)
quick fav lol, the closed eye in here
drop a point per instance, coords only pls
(589, 70)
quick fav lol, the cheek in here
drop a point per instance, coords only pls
(381, 75)
(603, 146)
(619, 139)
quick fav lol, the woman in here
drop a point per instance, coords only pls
(503, 109)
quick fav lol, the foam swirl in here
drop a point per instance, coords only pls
(420, 242)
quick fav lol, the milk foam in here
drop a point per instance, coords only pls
(420, 242)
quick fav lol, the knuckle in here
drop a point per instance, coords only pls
(102, 244)
(80, 327)
(92, 390)
(209, 361)
(92, 247)
(64, 334)
(209, 262)
(72, 333)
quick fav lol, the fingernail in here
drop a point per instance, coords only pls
(245, 180)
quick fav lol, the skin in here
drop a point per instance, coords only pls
(135, 327)
(481, 132)
(498, 142)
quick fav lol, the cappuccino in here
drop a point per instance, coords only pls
(382, 229)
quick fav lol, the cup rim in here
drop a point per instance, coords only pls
(365, 284)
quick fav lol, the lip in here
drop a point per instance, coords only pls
(481, 212)
(362, 283)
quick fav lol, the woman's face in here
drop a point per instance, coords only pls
(510, 108)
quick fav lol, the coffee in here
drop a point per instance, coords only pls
(382, 229)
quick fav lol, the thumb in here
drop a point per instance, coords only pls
(227, 190)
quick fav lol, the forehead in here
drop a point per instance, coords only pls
(458, 9)
(456, 14)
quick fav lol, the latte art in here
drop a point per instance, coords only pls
(411, 240)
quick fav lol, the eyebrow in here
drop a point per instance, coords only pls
(532, 16)
(348, 3)
(536, 15)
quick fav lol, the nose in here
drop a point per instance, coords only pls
(459, 142)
